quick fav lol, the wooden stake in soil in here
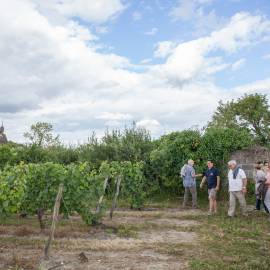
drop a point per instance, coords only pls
(101, 197)
(54, 220)
(40, 213)
(115, 196)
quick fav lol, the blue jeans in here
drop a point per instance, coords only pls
(258, 205)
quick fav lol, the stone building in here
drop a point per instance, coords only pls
(247, 158)
(3, 137)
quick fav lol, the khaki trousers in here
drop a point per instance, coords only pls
(193, 192)
(240, 196)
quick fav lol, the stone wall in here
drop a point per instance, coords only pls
(249, 157)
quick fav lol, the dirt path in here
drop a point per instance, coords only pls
(159, 239)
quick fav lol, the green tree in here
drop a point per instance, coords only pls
(41, 134)
(218, 143)
(132, 144)
(250, 112)
(172, 152)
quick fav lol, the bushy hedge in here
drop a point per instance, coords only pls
(175, 149)
(161, 159)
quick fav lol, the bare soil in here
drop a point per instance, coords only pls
(158, 239)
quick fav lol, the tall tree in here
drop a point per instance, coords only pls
(249, 112)
(41, 134)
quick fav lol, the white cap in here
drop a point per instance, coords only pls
(190, 162)
(232, 162)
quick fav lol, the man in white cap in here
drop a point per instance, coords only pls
(237, 188)
(189, 182)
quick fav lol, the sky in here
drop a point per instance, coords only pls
(92, 65)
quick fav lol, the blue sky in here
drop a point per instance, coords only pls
(127, 36)
(87, 66)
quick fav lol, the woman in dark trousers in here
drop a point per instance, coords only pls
(260, 178)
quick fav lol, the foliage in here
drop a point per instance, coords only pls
(8, 155)
(83, 187)
(133, 144)
(133, 186)
(172, 152)
(41, 134)
(132, 180)
(13, 154)
(250, 112)
(42, 181)
(218, 143)
(175, 149)
(29, 187)
(147, 167)
(12, 188)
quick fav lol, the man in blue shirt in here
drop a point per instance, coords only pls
(211, 176)
(189, 182)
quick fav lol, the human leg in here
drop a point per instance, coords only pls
(211, 207)
(258, 204)
(267, 200)
(193, 191)
(212, 200)
(232, 203)
(186, 195)
(242, 201)
(215, 205)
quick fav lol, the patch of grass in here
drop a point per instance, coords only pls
(22, 242)
(180, 250)
(175, 250)
(127, 231)
(238, 243)
(18, 262)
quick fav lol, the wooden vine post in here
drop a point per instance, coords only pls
(118, 182)
(101, 197)
(54, 221)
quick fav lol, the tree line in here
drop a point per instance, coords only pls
(235, 125)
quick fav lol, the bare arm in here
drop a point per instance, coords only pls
(244, 188)
(203, 181)
(218, 183)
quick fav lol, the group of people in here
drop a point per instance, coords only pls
(237, 181)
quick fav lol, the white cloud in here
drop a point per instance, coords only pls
(164, 48)
(262, 86)
(101, 29)
(150, 124)
(146, 61)
(184, 10)
(193, 11)
(152, 32)
(114, 116)
(193, 59)
(238, 64)
(92, 11)
(52, 71)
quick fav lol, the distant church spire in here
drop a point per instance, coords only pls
(3, 137)
(2, 129)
